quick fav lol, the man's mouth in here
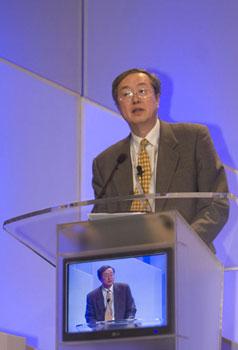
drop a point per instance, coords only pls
(137, 110)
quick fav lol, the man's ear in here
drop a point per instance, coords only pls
(158, 101)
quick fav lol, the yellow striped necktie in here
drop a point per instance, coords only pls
(108, 311)
(144, 179)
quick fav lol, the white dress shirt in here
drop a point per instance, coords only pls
(104, 292)
(152, 150)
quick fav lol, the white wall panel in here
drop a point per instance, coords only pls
(39, 143)
(45, 37)
(27, 296)
(230, 313)
(39, 151)
(101, 128)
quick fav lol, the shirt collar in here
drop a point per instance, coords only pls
(152, 136)
(107, 289)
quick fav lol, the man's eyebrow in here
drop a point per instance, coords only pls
(125, 87)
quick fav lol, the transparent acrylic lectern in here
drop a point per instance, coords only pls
(174, 279)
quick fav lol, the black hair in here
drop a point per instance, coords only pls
(155, 82)
(102, 269)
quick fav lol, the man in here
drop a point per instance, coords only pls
(181, 158)
(111, 301)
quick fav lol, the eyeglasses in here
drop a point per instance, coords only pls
(126, 95)
(106, 275)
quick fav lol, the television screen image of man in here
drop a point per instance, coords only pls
(111, 301)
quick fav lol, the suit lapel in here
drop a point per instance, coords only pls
(168, 157)
(100, 302)
(123, 176)
(116, 298)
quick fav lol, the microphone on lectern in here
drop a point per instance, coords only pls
(139, 170)
(120, 159)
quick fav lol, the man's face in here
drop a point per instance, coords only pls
(107, 278)
(137, 101)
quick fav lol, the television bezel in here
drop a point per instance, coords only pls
(128, 332)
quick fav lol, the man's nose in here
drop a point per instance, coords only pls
(135, 97)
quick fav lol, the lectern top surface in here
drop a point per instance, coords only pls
(37, 230)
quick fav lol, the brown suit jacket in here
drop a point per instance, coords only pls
(187, 162)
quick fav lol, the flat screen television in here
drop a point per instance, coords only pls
(142, 295)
